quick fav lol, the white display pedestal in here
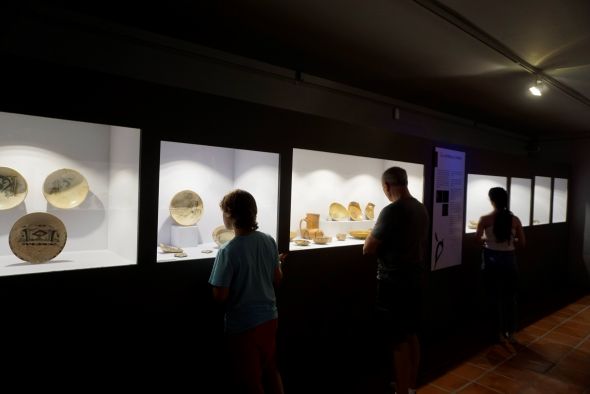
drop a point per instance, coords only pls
(185, 236)
(333, 227)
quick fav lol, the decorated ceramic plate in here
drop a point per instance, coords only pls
(65, 188)
(354, 209)
(13, 188)
(222, 235)
(186, 208)
(338, 211)
(37, 237)
(359, 234)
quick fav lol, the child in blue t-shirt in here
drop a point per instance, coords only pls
(244, 275)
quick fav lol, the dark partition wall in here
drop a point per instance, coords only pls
(161, 319)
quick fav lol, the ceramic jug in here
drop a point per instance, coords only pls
(312, 221)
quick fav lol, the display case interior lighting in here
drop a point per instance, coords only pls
(101, 228)
(559, 200)
(211, 172)
(321, 179)
(542, 200)
(520, 199)
(478, 202)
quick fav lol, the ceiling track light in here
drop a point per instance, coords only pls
(537, 87)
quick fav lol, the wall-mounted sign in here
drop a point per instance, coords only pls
(447, 210)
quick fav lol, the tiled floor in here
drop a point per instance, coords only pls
(552, 356)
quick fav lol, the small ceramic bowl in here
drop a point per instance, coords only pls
(301, 242)
(322, 240)
(341, 236)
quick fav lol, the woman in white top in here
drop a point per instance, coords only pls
(500, 231)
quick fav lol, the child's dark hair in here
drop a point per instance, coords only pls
(503, 222)
(241, 206)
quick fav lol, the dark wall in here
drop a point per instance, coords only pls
(161, 318)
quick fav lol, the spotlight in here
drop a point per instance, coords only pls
(537, 88)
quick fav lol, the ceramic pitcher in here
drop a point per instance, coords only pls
(312, 224)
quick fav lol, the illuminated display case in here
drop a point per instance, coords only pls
(321, 179)
(559, 200)
(478, 202)
(542, 200)
(210, 172)
(520, 199)
(82, 175)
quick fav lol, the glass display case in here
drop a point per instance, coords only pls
(336, 198)
(478, 202)
(520, 199)
(559, 200)
(542, 200)
(68, 194)
(193, 180)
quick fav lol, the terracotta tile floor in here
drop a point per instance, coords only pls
(552, 355)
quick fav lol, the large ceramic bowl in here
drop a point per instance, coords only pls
(338, 211)
(359, 234)
(186, 208)
(354, 209)
(37, 237)
(13, 188)
(65, 188)
(222, 235)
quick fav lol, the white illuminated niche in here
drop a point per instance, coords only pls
(102, 231)
(542, 200)
(520, 199)
(212, 172)
(478, 202)
(559, 200)
(320, 178)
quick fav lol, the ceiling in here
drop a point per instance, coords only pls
(472, 59)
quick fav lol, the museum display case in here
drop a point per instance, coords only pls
(520, 199)
(68, 194)
(559, 200)
(478, 202)
(336, 198)
(541, 200)
(193, 180)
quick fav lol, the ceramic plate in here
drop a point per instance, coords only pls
(338, 211)
(222, 235)
(359, 234)
(13, 188)
(65, 188)
(354, 210)
(186, 208)
(370, 211)
(37, 237)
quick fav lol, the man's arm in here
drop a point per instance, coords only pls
(371, 245)
(278, 276)
(220, 294)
